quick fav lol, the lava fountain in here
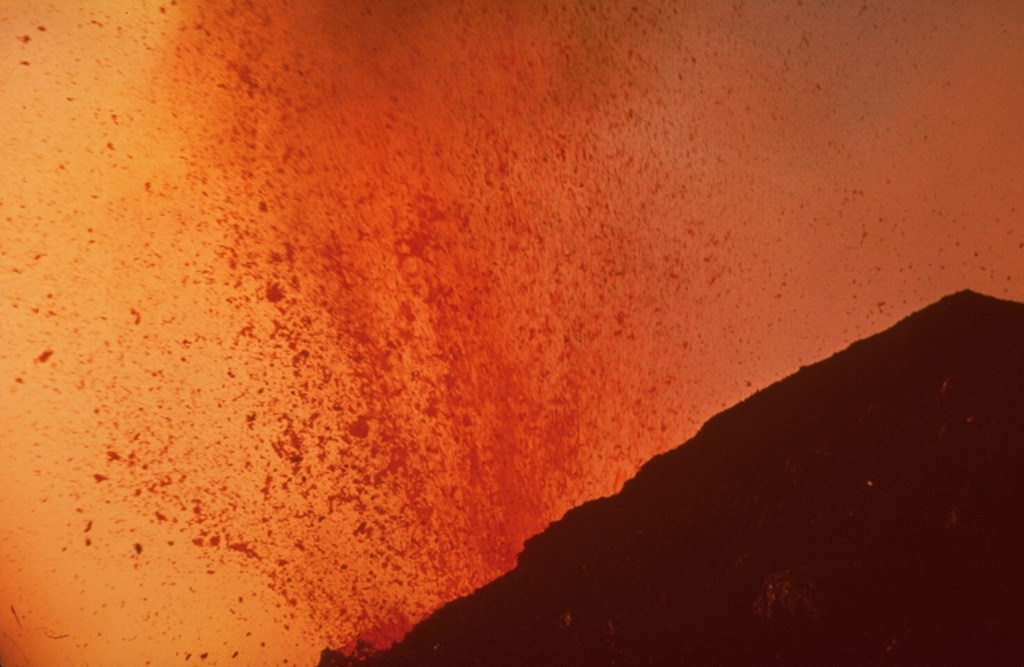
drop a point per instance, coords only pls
(313, 313)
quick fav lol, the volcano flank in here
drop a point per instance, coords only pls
(866, 509)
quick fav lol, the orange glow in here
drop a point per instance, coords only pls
(309, 316)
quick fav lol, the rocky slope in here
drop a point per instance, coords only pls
(868, 508)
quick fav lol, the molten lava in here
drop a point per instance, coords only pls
(313, 312)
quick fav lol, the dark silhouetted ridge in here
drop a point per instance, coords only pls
(867, 509)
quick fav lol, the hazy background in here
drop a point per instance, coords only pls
(310, 315)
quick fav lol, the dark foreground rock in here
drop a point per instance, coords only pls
(868, 509)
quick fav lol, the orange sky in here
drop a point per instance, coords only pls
(308, 317)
